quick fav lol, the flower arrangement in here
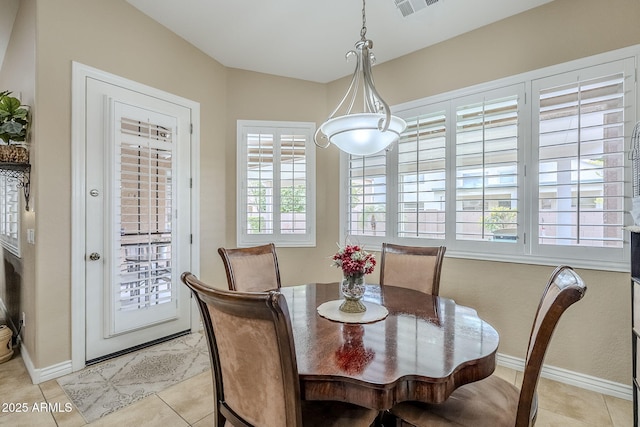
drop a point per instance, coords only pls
(354, 261)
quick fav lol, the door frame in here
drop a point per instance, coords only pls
(80, 73)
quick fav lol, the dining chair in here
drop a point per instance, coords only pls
(254, 366)
(412, 267)
(493, 401)
(253, 269)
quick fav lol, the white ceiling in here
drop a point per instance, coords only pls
(307, 39)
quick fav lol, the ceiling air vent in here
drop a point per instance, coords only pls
(409, 7)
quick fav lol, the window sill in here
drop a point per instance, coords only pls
(614, 266)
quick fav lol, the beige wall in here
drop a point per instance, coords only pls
(254, 96)
(112, 36)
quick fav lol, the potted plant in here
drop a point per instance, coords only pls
(14, 127)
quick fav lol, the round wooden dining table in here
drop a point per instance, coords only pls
(424, 349)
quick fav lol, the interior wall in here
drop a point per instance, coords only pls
(593, 337)
(255, 96)
(17, 74)
(112, 36)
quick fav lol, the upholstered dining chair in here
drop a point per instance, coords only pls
(253, 362)
(493, 401)
(253, 269)
(412, 267)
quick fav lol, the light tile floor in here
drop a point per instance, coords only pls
(190, 403)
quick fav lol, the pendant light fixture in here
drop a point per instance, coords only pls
(371, 130)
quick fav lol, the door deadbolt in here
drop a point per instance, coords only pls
(94, 193)
(94, 256)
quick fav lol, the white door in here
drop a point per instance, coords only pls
(137, 218)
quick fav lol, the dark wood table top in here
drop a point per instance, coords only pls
(425, 348)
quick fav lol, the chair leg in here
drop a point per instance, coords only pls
(387, 419)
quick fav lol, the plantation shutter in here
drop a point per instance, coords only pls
(293, 183)
(367, 193)
(486, 168)
(260, 183)
(276, 166)
(422, 177)
(9, 214)
(581, 159)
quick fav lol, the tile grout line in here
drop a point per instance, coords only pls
(63, 394)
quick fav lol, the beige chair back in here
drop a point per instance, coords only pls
(253, 355)
(412, 267)
(252, 269)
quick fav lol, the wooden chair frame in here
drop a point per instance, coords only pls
(571, 289)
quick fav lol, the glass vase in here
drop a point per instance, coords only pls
(352, 288)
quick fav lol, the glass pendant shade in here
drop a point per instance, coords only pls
(360, 134)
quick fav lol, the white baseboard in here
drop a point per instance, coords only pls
(44, 374)
(577, 379)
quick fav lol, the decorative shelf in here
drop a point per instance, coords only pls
(20, 172)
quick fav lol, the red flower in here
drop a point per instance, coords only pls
(354, 260)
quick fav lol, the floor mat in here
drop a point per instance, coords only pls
(106, 387)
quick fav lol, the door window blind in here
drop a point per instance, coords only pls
(146, 203)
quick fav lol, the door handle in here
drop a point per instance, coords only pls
(94, 256)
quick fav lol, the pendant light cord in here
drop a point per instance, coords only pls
(363, 31)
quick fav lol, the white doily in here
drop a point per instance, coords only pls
(330, 310)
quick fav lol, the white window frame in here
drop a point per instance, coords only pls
(526, 250)
(307, 239)
(10, 207)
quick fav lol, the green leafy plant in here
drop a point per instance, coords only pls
(14, 119)
(256, 223)
(293, 199)
(499, 218)
(258, 195)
